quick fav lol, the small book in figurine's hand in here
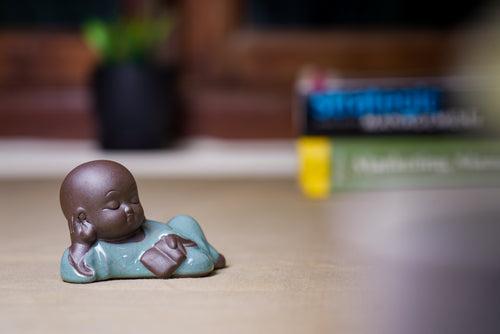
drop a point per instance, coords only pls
(166, 255)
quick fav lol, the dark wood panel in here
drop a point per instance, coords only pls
(205, 26)
(275, 57)
(49, 58)
(231, 112)
(46, 112)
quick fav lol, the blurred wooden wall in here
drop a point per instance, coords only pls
(236, 82)
(43, 85)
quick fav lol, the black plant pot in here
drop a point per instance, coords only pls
(136, 106)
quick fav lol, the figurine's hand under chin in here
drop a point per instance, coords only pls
(81, 231)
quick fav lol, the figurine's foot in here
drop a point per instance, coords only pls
(221, 262)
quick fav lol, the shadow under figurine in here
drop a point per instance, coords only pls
(111, 238)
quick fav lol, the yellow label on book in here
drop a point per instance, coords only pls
(314, 160)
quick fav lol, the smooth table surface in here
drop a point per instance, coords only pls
(283, 274)
(295, 265)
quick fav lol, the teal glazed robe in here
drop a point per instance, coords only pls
(122, 260)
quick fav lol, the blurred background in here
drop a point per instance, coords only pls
(363, 131)
(235, 61)
(152, 74)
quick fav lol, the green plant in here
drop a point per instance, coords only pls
(126, 40)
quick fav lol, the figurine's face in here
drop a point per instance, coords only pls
(114, 208)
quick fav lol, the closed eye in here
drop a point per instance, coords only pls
(134, 199)
(112, 205)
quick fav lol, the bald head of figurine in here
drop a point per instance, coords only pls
(100, 202)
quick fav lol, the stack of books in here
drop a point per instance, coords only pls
(391, 133)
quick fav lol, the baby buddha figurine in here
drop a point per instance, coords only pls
(111, 238)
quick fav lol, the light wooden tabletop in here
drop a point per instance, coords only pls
(295, 265)
(283, 275)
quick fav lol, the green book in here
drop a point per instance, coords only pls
(363, 163)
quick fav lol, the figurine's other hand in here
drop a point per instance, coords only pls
(166, 255)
